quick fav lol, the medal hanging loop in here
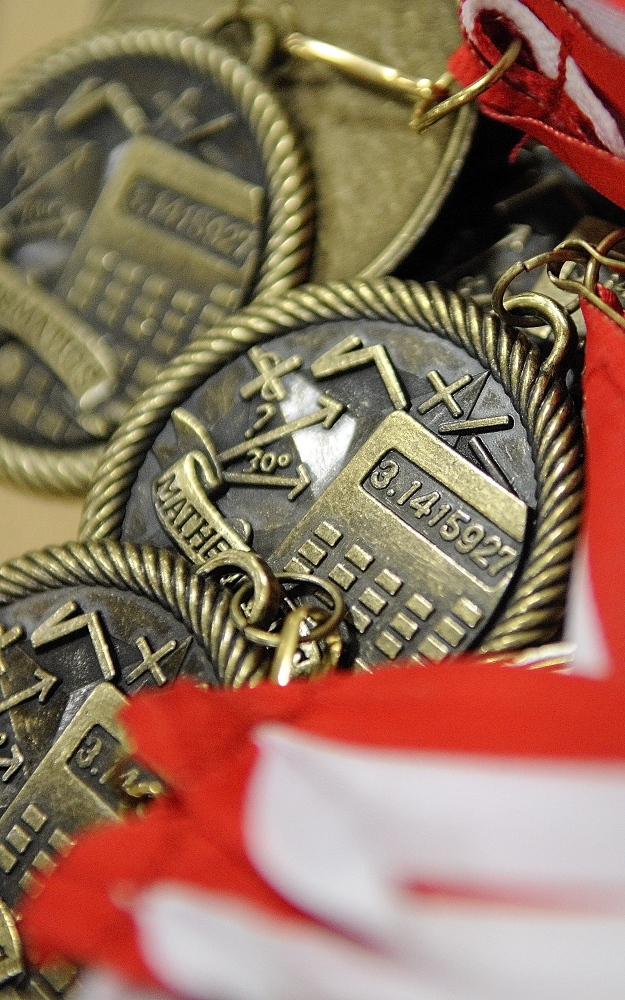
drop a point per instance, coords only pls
(263, 622)
(569, 251)
(593, 257)
(264, 41)
(530, 309)
(272, 638)
(591, 275)
(267, 594)
(430, 112)
(283, 665)
(562, 254)
(287, 639)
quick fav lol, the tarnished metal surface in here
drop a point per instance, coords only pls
(80, 628)
(379, 184)
(422, 439)
(149, 185)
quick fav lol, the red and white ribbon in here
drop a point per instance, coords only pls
(448, 833)
(566, 88)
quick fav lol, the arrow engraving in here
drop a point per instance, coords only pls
(11, 764)
(328, 413)
(42, 688)
(93, 96)
(296, 484)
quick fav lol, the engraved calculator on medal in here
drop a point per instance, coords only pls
(71, 787)
(422, 542)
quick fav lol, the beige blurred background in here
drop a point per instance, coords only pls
(28, 521)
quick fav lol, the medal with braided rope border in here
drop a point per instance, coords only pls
(180, 483)
(121, 151)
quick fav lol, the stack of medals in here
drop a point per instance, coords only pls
(299, 478)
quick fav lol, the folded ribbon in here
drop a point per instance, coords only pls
(565, 89)
(449, 833)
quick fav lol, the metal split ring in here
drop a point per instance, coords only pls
(267, 593)
(535, 305)
(272, 639)
(535, 309)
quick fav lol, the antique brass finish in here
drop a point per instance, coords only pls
(420, 93)
(261, 637)
(284, 667)
(426, 115)
(263, 32)
(86, 777)
(157, 574)
(57, 799)
(534, 308)
(431, 99)
(378, 184)
(80, 628)
(591, 276)
(532, 608)
(156, 238)
(266, 592)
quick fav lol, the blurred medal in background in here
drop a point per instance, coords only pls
(149, 185)
(378, 183)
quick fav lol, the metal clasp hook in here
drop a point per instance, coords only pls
(422, 93)
(431, 98)
(429, 113)
(595, 258)
(535, 309)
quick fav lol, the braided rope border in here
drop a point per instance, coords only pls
(533, 612)
(290, 210)
(161, 576)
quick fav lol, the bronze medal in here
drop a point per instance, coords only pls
(382, 436)
(149, 185)
(378, 183)
(81, 629)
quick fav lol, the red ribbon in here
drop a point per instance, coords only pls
(542, 106)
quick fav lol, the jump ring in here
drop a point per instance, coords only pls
(272, 639)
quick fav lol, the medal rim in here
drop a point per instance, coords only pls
(157, 574)
(432, 200)
(289, 193)
(531, 612)
(420, 218)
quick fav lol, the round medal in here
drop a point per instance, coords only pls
(383, 436)
(379, 185)
(149, 185)
(81, 627)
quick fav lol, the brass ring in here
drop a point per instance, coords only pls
(282, 663)
(263, 35)
(420, 121)
(561, 254)
(272, 639)
(564, 330)
(266, 589)
(594, 257)
(591, 275)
